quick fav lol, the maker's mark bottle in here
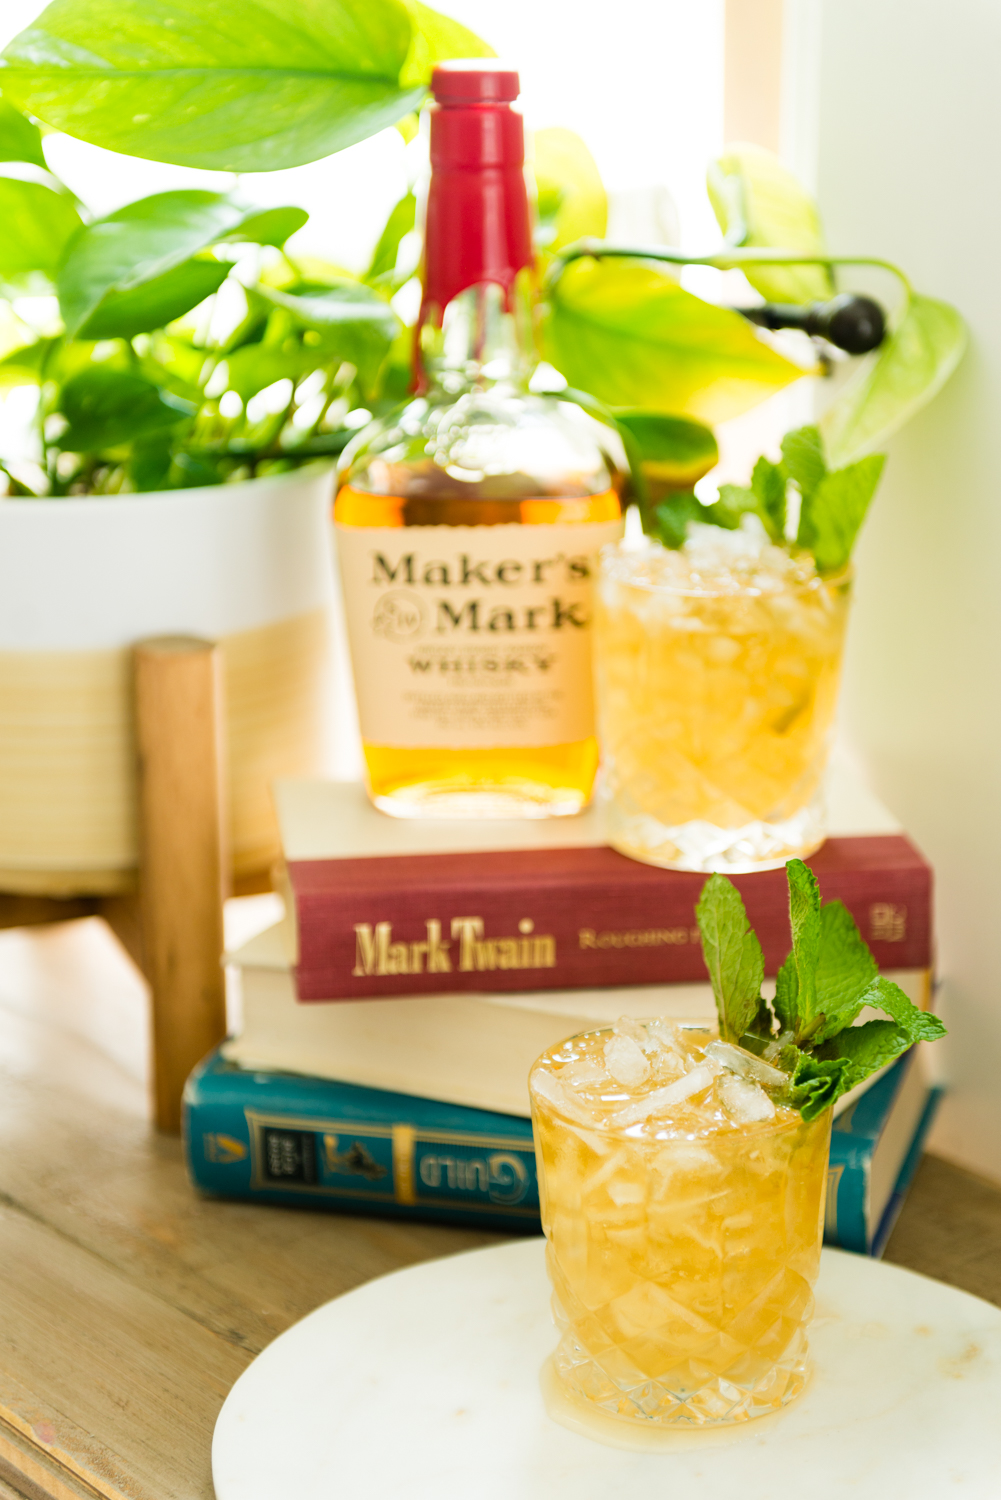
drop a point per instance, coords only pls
(468, 522)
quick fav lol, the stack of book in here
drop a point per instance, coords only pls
(390, 1021)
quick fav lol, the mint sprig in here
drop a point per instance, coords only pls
(832, 502)
(826, 982)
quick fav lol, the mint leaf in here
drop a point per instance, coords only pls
(877, 1043)
(765, 498)
(786, 1002)
(768, 484)
(803, 459)
(804, 920)
(845, 970)
(918, 1025)
(817, 1083)
(865, 1049)
(668, 521)
(832, 513)
(761, 1031)
(735, 500)
(733, 956)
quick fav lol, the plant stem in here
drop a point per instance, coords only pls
(720, 260)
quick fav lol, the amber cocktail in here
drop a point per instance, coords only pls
(717, 670)
(683, 1212)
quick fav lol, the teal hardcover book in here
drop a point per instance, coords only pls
(283, 1138)
(310, 1142)
(876, 1145)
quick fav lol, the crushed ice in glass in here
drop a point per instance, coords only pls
(660, 1079)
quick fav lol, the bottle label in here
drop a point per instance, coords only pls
(465, 637)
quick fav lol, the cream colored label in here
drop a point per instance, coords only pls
(472, 636)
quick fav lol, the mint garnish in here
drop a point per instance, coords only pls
(832, 502)
(733, 956)
(826, 982)
(803, 459)
(831, 515)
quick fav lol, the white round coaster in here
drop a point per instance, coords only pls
(425, 1385)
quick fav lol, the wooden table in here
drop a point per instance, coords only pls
(128, 1305)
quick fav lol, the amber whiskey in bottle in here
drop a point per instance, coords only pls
(468, 522)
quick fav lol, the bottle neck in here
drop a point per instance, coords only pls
(485, 340)
(475, 320)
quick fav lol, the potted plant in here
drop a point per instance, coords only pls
(197, 372)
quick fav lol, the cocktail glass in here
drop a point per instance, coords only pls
(683, 1218)
(717, 671)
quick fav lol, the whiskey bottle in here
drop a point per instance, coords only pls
(469, 520)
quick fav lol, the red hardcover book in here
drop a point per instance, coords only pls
(394, 924)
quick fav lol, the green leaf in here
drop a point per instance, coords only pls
(149, 464)
(24, 366)
(786, 1002)
(121, 315)
(267, 226)
(804, 920)
(831, 515)
(674, 451)
(865, 1049)
(140, 243)
(817, 1083)
(897, 381)
(353, 321)
(803, 459)
(238, 85)
(760, 204)
(845, 970)
(255, 366)
(636, 339)
(766, 498)
(668, 521)
(400, 222)
(877, 1043)
(436, 38)
(919, 1025)
(769, 485)
(20, 139)
(573, 204)
(37, 222)
(733, 956)
(106, 407)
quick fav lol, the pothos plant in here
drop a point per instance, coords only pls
(183, 357)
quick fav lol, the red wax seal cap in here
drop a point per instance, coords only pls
(477, 226)
(474, 82)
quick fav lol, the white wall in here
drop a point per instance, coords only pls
(897, 116)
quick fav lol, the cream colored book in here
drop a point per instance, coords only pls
(463, 1049)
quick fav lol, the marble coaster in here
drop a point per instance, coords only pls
(428, 1385)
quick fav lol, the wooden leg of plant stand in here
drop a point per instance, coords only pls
(182, 858)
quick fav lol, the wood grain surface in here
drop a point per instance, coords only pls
(129, 1305)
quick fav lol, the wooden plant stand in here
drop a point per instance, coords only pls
(171, 924)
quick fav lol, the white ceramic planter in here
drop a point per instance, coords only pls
(81, 580)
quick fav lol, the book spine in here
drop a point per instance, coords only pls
(269, 1152)
(846, 1215)
(911, 1162)
(568, 919)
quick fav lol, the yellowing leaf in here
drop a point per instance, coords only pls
(634, 338)
(759, 203)
(436, 38)
(913, 364)
(571, 193)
